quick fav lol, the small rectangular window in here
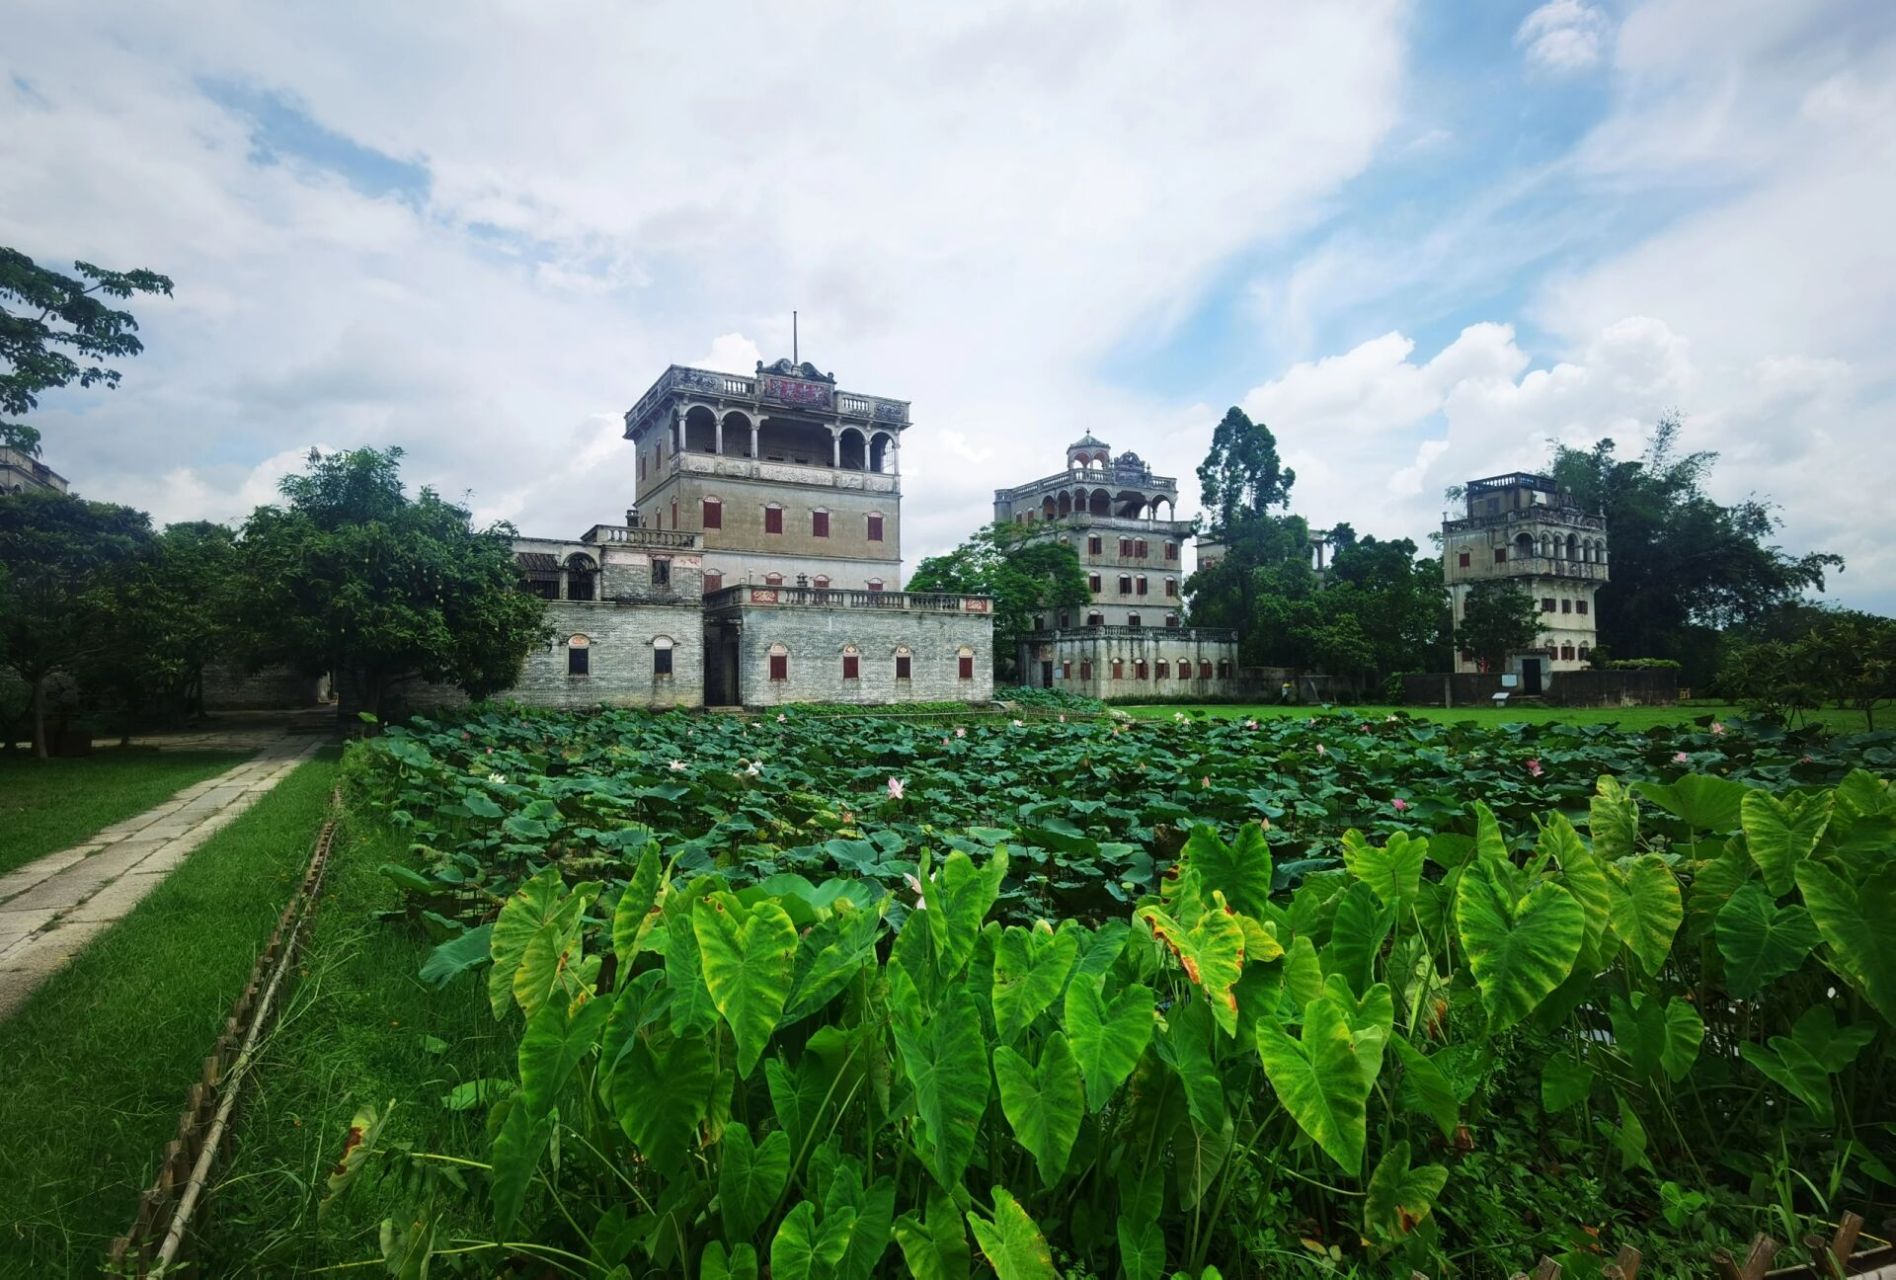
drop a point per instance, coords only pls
(1093, 545)
(661, 662)
(1125, 584)
(1566, 606)
(661, 573)
(578, 662)
(713, 514)
(713, 582)
(1171, 551)
(1139, 549)
(875, 528)
(1580, 606)
(1224, 670)
(1547, 604)
(852, 667)
(901, 666)
(1141, 584)
(1171, 619)
(1066, 670)
(779, 666)
(1500, 555)
(1139, 670)
(1132, 619)
(1119, 668)
(1092, 583)
(819, 524)
(1086, 669)
(1125, 548)
(1204, 669)
(1161, 669)
(1171, 588)
(1462, 559)
(773, 519)
(965, 666)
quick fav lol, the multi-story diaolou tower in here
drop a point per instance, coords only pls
(789, 481)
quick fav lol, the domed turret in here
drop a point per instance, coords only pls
(1088, 453)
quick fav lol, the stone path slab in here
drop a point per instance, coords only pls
(53, 906)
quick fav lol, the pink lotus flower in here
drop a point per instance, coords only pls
(944, 742)
(1534, 768)
(1401, 804)
(1805, 760)
(895, 788)
(1717, 727)
(1322, 750)
(1205, 781)
(1250, 724)
(781, 717)
(961, 733)
(1679, 757)
(916, 885)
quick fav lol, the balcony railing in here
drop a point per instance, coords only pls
(1201, 635)
(675, 539)
(847, 598)
(718, 464)
(1080, 477)
(731, 386)
(1548, 566)
(1566, 517)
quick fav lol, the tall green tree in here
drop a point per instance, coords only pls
(55, 329)
(1025, 575)
(65, 561)
(1499, 617)
(1842, 657)
(352, 576)
(1258, 586)
(1242, 477)
(1681, 563)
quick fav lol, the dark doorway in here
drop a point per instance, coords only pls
(1046, 675)
(1530, 675)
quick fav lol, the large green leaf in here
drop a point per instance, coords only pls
(1706, 803)
(1781, 833)
(748, 954)
(1645, 909)
(829, 955)
(1613, 821)
(1209, 944)
(1760, 940)
(740, 1263)
(457, 955)
(534, 904)
(1685, 1032)
(750, 1178)
(1519, 950)
(945, 1060)
(659, 1097)
(632, 917)
(1426, 1089)
(1106, 1037)
(959, 896)
(1140, 1233)
(1356, 936)
(555, 1041)
(517, 1147)
(873, 1210)
(1030, 972)
(1011, 1241)
(803, 1251)
(1803, 1062)
(1399, 1196)
(1580, 873)
(1321, 1079)
(1240, 870)
(1564, 1083)
(1044, 1102)
(935, 1248)
(1189, 1046)
(1393, 871)
(1858, 924)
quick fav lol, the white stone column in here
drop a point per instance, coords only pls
(754, 454)
(836, 447)
(717, 437)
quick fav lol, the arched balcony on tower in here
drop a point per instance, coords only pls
(882, 450)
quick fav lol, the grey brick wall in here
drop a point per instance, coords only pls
(620, 652)
(816, 637)
(1083, 661)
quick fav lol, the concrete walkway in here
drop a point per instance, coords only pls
(51, 908)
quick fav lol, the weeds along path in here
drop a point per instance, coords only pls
(52, 907)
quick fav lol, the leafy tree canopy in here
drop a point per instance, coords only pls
(1025, 575)
(1499, 617)
(54, 330)
(353, 577)
(1680, 560)
(1242, 478)
(1801, 658)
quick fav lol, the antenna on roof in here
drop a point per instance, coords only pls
(793, 337)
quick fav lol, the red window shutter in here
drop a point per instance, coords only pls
(1119, 668)
(875, 528)
(779, 666)
(1184, 671)
(773, 579)
(1092, 582)
(1125, 548)
(819, 524)
(773, 519)
(1142, 586)
(1066, 670)
(1125, 585)
(1463, 559)
(1171, 587)
(1092, 546)
(713, 514)
(1171, 551)
(1139, 670)
(965, 663)
(1139, 548)
(1162, 670)
(1204, 670)
(852, 667)
(1086, 670)
(1500, 555)
(875, 586)
(713, 582)
(674, 513)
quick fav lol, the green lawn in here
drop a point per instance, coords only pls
(95, 1066)
(1627, 717)
(362, 1029)
(47, 805)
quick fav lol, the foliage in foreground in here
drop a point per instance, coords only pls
(719, 1072)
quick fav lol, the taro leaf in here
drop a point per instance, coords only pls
(959, 897)
(1371, 1018)
(1141, 1248)
(800, 1251)
(750, 1178)
(362, 1141)
(1780, 833)
(1761, 941)
(1399, 1197)
(543, 967)
(937, 1248)
(556, 1039)
(1303, 971)
(1613, 820)
(1706, 803)
(457, 955)
(1793, 1068)
(1684, 1032)
(479, 805)
(1394, 871)
(1426, 1088)
(1012, 1242)
(1629, 1136)
(659, 1098)
(1189, 1045)
(1320, 1079)
(829, 954)
(1580, 872)
(1519, 950)
(629, 918)
(798, 1095)
(1044, 1103)
(1199, 1153)
(715, 1264)
(533, 904)
(1241, 870)
(869, 1234)
(1030, 971)
(1859, 925)
(1356, 936)
(1100, 948)
(1565, 1082)
(1489, 842)
(1644, 908)
(945, 1060)
(748, 955)
(516, 1151)
(1209, 945)
(1106, 1037)
(1865, 795)
(1836, 1047)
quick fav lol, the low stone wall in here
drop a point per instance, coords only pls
(1652, 688)
(230, 688)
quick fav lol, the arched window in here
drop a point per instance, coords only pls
(1171, 588)
(713, 580)
(773, 579)
(578, 655)
(964, 663)
(904, 661)
(661, 655)
(821, 582)
(779, 662)
(582, 577)
(713, 513)
(1171, 619)
(1095, 619)
(875, 586)
(1204, 669)
(1573, 546)
(1162, 670)
(773, 518)
(1139, 669)
(1586, 652)
(1184, 668)
(1119, 668)
(1546, 546)
(1132, 619)
(852, 662)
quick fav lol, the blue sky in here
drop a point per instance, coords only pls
(1421, 241)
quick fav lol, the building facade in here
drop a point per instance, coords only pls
(782, 475)
(1122, 522)
(20, 471)
(1524, 529)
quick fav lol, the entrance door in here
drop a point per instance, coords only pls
(1530, 675)
(1046, 675)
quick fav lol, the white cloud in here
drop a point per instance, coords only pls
(1563, 36)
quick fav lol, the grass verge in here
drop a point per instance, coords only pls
(96, 1064)
(1624, 717)
(48, 805)
(361, 1030)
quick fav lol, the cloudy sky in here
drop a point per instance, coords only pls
(1419, 240)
